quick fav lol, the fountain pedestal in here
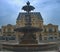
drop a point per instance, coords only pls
(29, 37)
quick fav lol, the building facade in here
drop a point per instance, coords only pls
(50, 32)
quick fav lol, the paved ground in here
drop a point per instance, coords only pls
(33, 51)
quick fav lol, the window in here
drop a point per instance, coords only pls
(12, 38)
(55, 37)
(7, 38)
(9, 35)
(44, 30)
(59, 35)
(50, 38)
(50, 29)
(40, 38)
(4, 30)
(9, 29)
(45, 38)
(1, 38)
(55, 30)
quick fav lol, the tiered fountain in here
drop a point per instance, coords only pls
(28, 30)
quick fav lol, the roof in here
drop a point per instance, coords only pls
(36, 14)
(9, 25)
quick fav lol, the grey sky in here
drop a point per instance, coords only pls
(49, 9)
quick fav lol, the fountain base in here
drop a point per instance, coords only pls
(28, 42)
(30, 47)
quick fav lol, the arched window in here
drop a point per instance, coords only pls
(50, 30)
(9, 30)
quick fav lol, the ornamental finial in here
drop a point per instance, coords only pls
(28, 7)
(28, 3)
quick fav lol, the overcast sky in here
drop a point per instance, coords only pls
(49, 9)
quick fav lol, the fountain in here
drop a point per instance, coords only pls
(28, 30)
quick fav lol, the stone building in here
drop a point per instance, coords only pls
(50, 32)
